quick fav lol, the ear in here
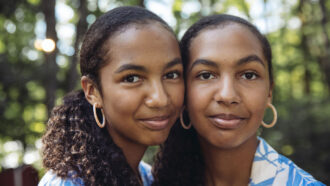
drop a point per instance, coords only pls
(91, 91)
(270, 93)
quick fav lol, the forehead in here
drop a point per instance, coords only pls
(226, 41)
(136, 32)
(142, 44)
(146, 25)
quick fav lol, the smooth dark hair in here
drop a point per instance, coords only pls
(180, 161)
(73, 145)
(93, 51)
(221, 20)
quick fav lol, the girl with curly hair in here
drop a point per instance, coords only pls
(132, 95)
(229, 83)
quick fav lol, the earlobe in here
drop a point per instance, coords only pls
(91, 92)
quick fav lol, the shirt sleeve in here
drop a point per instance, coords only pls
(51, 179)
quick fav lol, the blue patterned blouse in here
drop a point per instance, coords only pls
(50, 178)
(271, 168)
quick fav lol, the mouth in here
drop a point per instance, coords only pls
(156, 122)
(226, 121)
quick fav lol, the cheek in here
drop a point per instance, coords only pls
(121, 103)
(198, 99)
(175, 93)
(257, 103)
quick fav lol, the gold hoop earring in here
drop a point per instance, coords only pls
(274, 118)
(182, 122)
(101, 125)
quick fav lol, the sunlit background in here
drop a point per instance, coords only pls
(38, 66)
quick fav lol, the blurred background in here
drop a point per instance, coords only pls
(40, 39)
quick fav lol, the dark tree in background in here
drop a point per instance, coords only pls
(51, 68)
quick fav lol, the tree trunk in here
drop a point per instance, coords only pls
(141, 3)
(306, 53)
(308, 58)
(324, 60)
(51, 68)
(81, 28)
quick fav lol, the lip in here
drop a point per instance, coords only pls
(156, 122)
(226, 121)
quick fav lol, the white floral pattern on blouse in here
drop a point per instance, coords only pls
(271, 168)
(50, 178)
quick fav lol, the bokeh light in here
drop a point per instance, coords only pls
(48, 45)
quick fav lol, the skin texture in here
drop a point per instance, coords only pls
(142, 88)
(228, 90)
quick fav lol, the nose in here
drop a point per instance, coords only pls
(157, 96)
(226, 92)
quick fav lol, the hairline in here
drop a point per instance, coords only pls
(242, 23)
(137, 24)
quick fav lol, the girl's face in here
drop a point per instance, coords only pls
(142, 84)
(228, 85)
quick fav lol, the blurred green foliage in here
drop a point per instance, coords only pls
(301, 51)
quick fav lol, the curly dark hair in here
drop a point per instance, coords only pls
(180, 161)
(73, 145)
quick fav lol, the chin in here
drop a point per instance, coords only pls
(157, 139)
(225, 143)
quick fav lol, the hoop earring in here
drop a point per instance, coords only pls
(274, 118)
(101, 125)
(182, 122)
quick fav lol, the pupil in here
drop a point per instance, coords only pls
(249, 75)
(206, 76)
(171, 75)
(130, 79)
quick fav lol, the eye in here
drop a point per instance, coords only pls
(249, 75)
(131, 78)
(205, 76)
(172, 75)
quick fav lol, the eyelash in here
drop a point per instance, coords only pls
(200, 75)
(137, 78)
(211, 76)
(254, 74)
(125, 79)
(178, 75)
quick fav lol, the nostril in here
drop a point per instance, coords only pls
(157, 99)
(227, 95)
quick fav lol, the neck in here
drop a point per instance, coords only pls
(133, 151)
(133, 154)
(228, 166)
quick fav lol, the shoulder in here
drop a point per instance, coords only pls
(51, 179)
(295, 175)
(145, 172)
(275, 169)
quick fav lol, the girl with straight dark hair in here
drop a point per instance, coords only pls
(229, 85)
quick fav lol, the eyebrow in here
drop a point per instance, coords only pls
(172, 63)
(247, 59)
(130, 67)
(250, 58)
(203, 62)
(143, 69)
